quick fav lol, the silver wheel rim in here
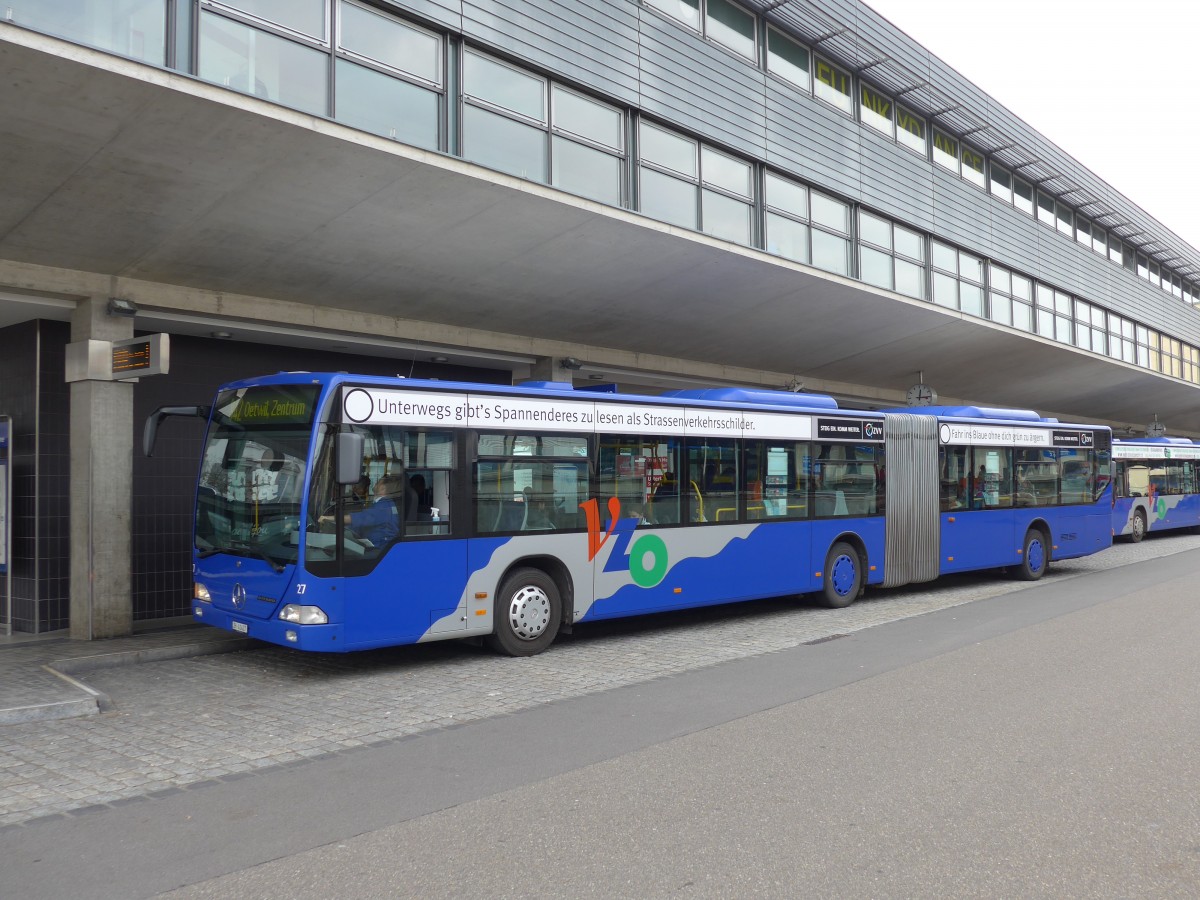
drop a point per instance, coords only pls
(1139, 526)
(529, 612)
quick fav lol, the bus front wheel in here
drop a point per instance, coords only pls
(1137, 528)
(1035, 557)
(843, 576)
(527, 613)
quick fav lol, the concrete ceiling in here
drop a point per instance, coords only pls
(114, 168)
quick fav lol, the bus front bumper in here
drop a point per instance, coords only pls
(322, 638)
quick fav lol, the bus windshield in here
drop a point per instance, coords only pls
(253, 471)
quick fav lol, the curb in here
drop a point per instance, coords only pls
(95, 701)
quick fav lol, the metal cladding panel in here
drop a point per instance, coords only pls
(1015, 238)
(699, 86)
(957, 213)
(812, 140)
(591, 43)
(896, 182)
(912, 545)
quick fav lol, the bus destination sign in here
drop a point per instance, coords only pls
(284, 404)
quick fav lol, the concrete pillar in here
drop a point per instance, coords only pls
(101, 487)
(549, 368)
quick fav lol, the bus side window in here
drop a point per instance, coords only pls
(955, 472)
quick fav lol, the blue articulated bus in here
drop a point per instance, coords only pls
(337, 512)
(1155, 486)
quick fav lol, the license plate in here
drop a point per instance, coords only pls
(242, 627)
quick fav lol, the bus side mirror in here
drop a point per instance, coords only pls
(349, 452)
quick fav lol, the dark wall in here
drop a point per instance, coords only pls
(164, 485)
(34, 394)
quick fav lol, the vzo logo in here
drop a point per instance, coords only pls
(645, 558)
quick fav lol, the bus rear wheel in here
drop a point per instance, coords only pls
(843, 576)
(527, 613)
(1137, 528)
(1035, 556)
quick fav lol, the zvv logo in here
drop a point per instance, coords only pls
(646, 560)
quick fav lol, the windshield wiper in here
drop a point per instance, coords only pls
(247, 547)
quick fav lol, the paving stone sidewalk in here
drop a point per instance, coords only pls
(178, 721)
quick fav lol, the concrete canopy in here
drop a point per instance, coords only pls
(114, 168)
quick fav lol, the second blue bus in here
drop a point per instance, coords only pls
(1156, 486)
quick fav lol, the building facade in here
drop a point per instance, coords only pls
(661, 192)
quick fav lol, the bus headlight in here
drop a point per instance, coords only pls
(303, 615)
(200, 592)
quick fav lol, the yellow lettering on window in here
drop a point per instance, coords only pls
(879, 105)
(911, 123)
(945, 143)
(837, 80)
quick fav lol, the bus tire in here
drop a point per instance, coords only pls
(1137, 529)
(1035, 557)
(527, 613)
(843, 579)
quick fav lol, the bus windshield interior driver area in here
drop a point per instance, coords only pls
(337, 512)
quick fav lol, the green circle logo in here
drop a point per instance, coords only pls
(648, 561)
(1160, 508)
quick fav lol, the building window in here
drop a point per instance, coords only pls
(1083, 232)
(972, 167)
(504, 117)
(518, 123)
(875, 110)
(1120, 339)
(720, 21)
(1083, 329)
(833, 86)
(787, 231)
(787, 59)
(685, 11)
(260, 63)
(946, 151)
(1001, 183)
(588, 146)
(731, 27)
(669, 173)
(910, 131)
(1023, 196)
(1191, 364)
(726, 201)
(891, 256)
(1054, 314)
(831, 234)
(388, 77)
(136, 28)
(1045, 211)
(1010, 298)
(957, 279)
(1065, 219)
(696, 187)
(306, 17)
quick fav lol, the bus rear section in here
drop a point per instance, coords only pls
(1013, 490)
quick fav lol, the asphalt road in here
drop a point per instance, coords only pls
(1040, 743)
